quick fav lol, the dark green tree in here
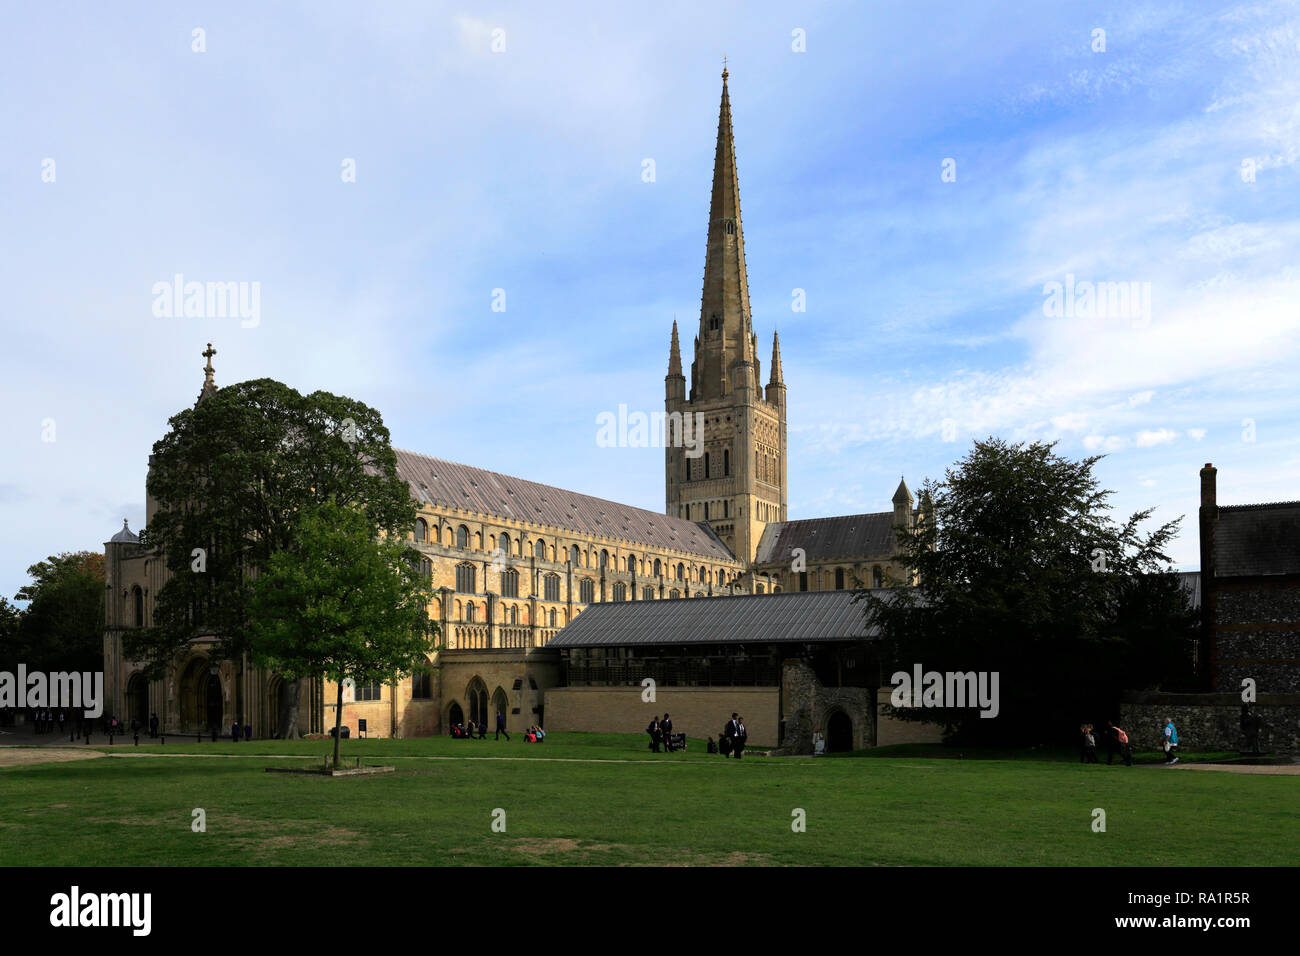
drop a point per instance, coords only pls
(62, 627)
(230, 478)
(341, 604)
(1021, 571)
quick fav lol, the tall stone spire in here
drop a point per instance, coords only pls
(675, 354)
(776, 360)
(209, 386)
(726, 337)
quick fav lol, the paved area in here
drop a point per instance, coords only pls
(1276, 770)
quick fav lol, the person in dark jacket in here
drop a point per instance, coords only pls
(655, 732)
(153, 725)
(741, 736)
(501, 725)
(666, 729)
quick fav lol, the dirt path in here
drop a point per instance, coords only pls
(1277, 770)
(22, 756)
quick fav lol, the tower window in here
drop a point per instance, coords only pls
(706, 464)
(726, 462)
(729, 227)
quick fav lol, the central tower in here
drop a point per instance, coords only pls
(734, 478)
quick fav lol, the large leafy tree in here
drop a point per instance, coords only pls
(62, 627)
(342, 604)
(230, 478)
(1020, 570)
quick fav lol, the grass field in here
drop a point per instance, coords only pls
(604, 799)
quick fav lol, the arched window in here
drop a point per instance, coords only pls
(138, 599)
(681, 572)
(803, 580)
(726, 462)
(706, 464)
(469, 611)
(503, 542)
(620, 591)
(604, 559)
(437, 534)
(587, 590)
(759, 589)
(478, 540)
(514, 614)
(462, 537)
(421, 685)
(575, 556)
(706, 511)
(465, 579)
(877, 578)
(551, 587)
(726, 508)
(647, 594)
(426, 567)
(421, 531)
(658, 569)
(552, 617)
(839, 579)
(510, 583)
(539, 549)
(674, 593)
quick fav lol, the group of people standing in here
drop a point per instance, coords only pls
(661, 733)
(734, 736)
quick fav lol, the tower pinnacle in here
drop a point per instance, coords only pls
(209, 386)
(726, 336)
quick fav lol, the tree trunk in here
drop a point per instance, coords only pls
(287, 720)
(338, 721)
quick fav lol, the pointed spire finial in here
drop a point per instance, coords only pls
(209, 386)
(724, 68)
(675, 353)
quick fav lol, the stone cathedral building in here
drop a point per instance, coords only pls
(515, 561)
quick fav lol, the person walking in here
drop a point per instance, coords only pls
(1121, 743)
(501, 725)
(729, 735)
(741, 736)
(153, 725)
(1171, 742)
(666, 730)
(1089, 745)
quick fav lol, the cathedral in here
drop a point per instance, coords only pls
(513, 562)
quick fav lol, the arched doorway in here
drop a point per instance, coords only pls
(839, 733)
(455, 715)
(500, 705)
(212, 709)
(137, 700)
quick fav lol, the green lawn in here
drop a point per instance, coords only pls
(594, 809)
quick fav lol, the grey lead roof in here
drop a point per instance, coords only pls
(1259, 539)
(810, 616)
(452, 485)
(845, 536)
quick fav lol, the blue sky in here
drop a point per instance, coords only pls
(522, 170)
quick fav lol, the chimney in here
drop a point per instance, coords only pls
(1209, 516)
(1208, 491)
